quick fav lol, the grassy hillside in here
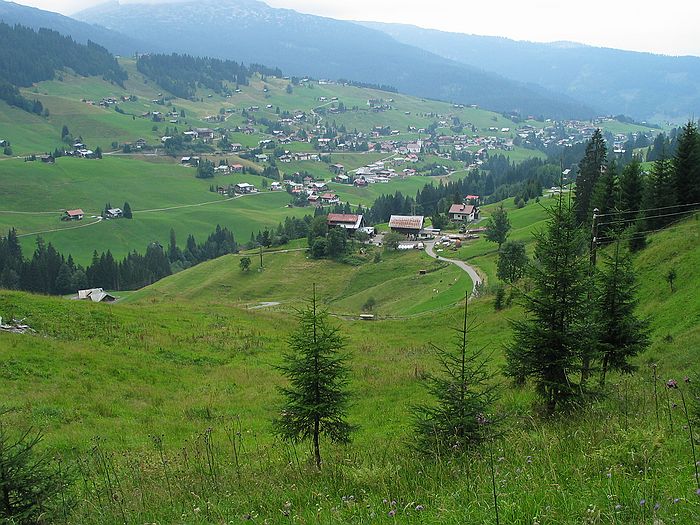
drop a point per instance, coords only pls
(186, 355)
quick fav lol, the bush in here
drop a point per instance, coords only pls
(499, 303)
(29, 484)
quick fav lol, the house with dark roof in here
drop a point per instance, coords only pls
(463, 213)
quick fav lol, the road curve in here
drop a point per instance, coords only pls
(476, 280)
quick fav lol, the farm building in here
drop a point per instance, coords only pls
(73, 215)
(47, 159)
(406, 224)
(114, 213)
(244, 187)
(336, 169)
(352, 223)
(329, 198)
(463, 212)
(96, 295)
(205, 134)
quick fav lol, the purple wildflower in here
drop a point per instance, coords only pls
(642, 502)
(419, 507)
(697, 491)
(618, 507)
(392, 513)
(657, 506)
(676, 500)
(672, 383)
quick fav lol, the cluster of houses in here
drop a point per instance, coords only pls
(317, 193)
(568, 133)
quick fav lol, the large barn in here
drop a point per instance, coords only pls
(406, 224)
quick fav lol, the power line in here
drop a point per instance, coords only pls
(648, 217)
(638, 235)
(649, 209)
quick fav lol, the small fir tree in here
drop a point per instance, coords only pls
(316, 400)
(464, 393)
(29, 484)
(620, 333)
(549, 343)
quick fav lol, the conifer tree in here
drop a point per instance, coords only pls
(660, 194)
(549, 343)
(464, 392)
(620, 333)
(498, 226)
(606, 198)
(589, 171)
(631, 187)
(316, 400)
(686, 165)
(126, 212)
(28, 483)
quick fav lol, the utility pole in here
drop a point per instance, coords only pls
(594, 238)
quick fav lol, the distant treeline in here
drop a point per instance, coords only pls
(369, 85)
(182, 74)
(497, 180)
(33, 56)
(49, 272)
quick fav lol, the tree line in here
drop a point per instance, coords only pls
(34, 56)
(634, 200)
(48, 271)
(182, 74)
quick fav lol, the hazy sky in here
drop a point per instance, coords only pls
(639, 25)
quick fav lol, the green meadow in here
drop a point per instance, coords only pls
(165, 401)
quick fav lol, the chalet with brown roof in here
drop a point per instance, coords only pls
(350, 222)
(463, 212)
(329, 198)
(73, 215)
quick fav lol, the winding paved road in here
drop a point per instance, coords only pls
(430, 250)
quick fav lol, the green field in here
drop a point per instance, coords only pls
(162, 195)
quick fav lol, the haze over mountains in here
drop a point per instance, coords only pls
(642, 85)
(552, 80)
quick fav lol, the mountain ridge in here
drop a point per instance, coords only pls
(302, 44)
(615, 80)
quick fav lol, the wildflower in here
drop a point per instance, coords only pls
(676, 500)
(671, 383)
(618, 507)
(686, 379)
(419, 507)
(657, 506)
(528, 459)
(697, 491)
(392, 513)
(642, 502)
